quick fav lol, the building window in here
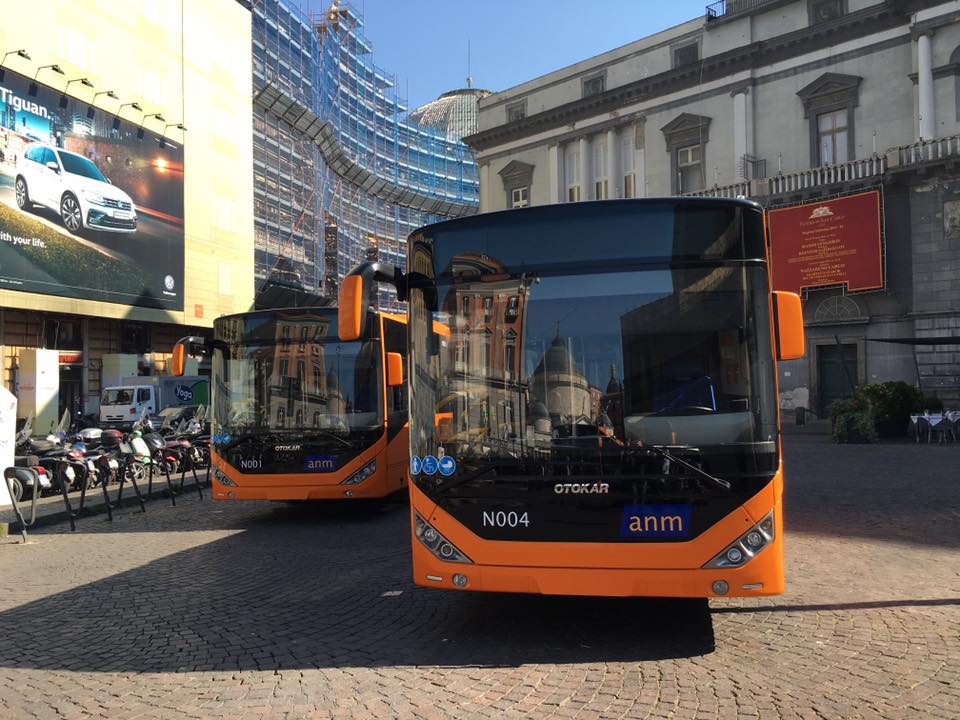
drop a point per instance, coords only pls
(509, 358)
(629, 185)
(832, 137)
(689, 169)
(828, 105)
(283, 368)
(686, 138)
(599, 152)
(822, 11)
(517, 178)
(571, 171)
(466, 306)
(513, 307)
(686, 54)
(518, 197)
(594, 85)
(286, 336)
(487, 308)
(317, 375)
(303, 338)
(516, 111)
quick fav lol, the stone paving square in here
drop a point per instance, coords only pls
(265, 610)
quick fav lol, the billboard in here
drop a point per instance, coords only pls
(828, 243)
(91, 205)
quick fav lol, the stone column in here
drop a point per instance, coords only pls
(739, 133)
(614, 179)
(554, 193)
(485, 187)
(584, 168)
(925, 121)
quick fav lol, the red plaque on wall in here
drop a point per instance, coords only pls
(827, 243)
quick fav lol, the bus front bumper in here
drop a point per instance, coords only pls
(763, 575)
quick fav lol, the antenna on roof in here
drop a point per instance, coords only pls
(469, 79)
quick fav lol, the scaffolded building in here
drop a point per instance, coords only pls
(342, 173)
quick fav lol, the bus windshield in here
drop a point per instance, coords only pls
(286, 372)
(578, 343)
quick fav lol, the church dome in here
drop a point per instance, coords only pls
(557, 360)
(454, 113)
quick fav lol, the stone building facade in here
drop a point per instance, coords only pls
(784, 102)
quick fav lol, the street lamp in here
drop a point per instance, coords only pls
(32, 90)
(19, 53)
(109, 93)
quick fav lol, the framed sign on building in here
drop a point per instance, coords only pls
(831, 242)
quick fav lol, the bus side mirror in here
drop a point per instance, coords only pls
(353, 311)
(788, 324)
(394, 369)
(184, 348)
(354, 296)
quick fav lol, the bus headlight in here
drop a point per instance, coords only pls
(743, 549)
(435, 542)
(362, 474)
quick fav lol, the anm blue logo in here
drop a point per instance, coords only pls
(655, 521)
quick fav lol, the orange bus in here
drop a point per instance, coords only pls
(600, 415)
(298, 414)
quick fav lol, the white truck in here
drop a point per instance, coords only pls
(122, 405)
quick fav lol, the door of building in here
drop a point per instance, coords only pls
(836, 374)
(71, 389)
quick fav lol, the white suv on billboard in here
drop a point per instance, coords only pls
(73, 186)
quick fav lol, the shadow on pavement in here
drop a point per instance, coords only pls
(868, 605)
(303, 596)
(898, 492)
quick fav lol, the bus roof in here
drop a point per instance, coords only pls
(560, 209)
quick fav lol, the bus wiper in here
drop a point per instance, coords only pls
(247, 435)
(660, 450)
(327, 434)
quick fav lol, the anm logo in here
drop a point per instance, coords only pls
(320, 463)
(644, 522)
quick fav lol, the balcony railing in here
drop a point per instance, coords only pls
(828, 175)
(725, 8)
(873, 166)
(924, 151)
(740, 189)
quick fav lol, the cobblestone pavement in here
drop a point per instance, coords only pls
(264, 610)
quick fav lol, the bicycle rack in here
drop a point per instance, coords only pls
(159, 459)
(65, 491)
(127, 474)
(9, 475)
(193, 469)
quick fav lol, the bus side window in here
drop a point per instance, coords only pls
(395, 340)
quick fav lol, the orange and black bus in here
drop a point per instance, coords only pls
(297, 414)
(600, 416)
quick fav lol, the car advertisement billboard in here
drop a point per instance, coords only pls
(831, 242)
(91, 205)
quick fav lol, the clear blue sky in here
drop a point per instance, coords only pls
(424, 42)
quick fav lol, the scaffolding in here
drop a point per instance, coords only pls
(362, 179)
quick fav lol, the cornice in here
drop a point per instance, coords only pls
(873, 19)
